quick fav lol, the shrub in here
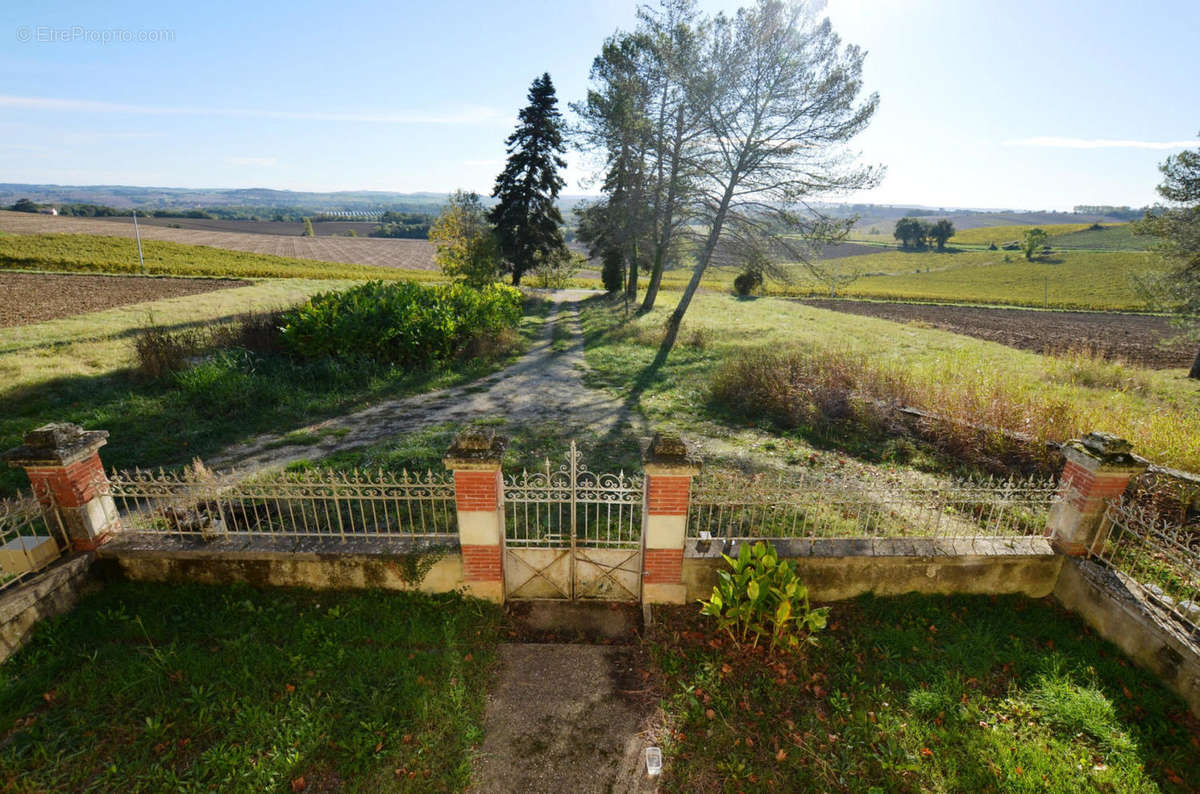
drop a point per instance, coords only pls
(161, 351)
(556, 270)
(403, 324)
(747, 282)
(762, 597)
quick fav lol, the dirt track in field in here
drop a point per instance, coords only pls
(408, 254)
(1137, 339)
(33, 298)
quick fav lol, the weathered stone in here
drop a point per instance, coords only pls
(56, 444)
(475, 446)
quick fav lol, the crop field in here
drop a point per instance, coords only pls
(378, 252)
(34, 297)
(1143, 340)
(94, 254)
(984, 235)
(285, 228)
(1117, 237)
(1087, 280)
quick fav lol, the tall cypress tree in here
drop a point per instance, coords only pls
(528, 224)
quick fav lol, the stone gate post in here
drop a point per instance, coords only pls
(670, 465)
(1099, 468)
(64, 468)
(475, 458)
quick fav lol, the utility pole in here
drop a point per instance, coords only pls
(137, 234)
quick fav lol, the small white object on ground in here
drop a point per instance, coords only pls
(653, 761)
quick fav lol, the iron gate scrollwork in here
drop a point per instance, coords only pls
(572, 533)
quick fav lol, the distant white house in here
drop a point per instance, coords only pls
(48, 210)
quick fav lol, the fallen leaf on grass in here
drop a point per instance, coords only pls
(710, 713)
(781, 756)
(299, 784)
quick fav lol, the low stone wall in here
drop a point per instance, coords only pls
(52, 592)
(838, 569)
(399, 564)
(1121, 615)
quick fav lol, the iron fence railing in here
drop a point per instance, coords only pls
(572, 506)
(314, 503)
(737, 507)
(1159, 558)
(31, 537)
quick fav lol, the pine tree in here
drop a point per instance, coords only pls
(528, 224)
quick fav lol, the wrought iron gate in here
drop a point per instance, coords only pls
(571, 533)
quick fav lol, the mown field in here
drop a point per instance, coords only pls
(379, 252)
(1089, 280)
(96, 254)
(950, 374)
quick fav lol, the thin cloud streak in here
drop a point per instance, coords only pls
(1096, 143)
(471, 115)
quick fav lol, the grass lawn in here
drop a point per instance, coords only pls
(1090, 280)
(92, 253)
(946, 694)
(197, 688)
(1159, 411)
(77, 370)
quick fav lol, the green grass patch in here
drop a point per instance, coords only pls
(195, 688)
(1159, 411)
(921, 693)
(228, 397)
(91, 253)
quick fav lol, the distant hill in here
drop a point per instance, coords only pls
(178, 198)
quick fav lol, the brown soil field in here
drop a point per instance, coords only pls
(385, 252)
(284, 228)
(1137, 339)
(33, 297)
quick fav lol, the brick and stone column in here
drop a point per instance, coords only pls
(670, 465)
(475, 459)
(64, 468)
(1099, 468)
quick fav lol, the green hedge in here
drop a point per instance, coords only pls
(405, 324)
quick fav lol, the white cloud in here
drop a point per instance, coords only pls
(262, 162)
(1096, 143)
(466, 115)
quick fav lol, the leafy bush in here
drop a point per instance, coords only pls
(762, 597)
(403, 324)
(161, 351)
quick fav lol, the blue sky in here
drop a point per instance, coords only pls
(984, 103)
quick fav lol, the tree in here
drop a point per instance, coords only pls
(639, 114)
(1034, 239)
(465, 246)
(308, 229)
(1178, 228)
(778, 95)
(24, 205)
(597, 230)
(909, 232)
(528, 224)
(940, 232)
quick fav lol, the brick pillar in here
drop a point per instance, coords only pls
(64, 467)
(1099, 467)
(669, 465)
(475, 458)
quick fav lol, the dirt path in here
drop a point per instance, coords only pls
(544, 385)
(564, 718)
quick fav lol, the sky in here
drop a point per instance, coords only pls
(983, 103)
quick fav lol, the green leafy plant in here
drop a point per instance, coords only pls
(760, 597)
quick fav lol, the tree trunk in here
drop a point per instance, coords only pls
(710, 245)
(663, 243)
(1195, 373)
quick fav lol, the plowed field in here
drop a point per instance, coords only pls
(409, 254)
(1136, 339)
(33, 297)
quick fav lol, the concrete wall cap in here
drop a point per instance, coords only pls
(1088, 455)
(669, 453)
(56, 444)
(476, 449)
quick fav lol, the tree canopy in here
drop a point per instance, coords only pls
(465, 245)
(528, 224)
(1177, 227)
